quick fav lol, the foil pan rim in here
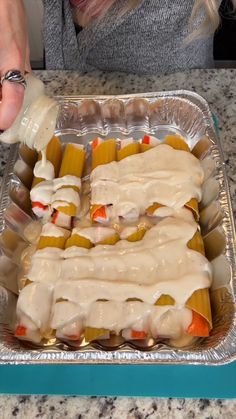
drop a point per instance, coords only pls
(148, 95)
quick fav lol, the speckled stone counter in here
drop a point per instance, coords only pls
(218, 87)
(45, 407)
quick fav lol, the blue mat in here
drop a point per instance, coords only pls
(120, 380)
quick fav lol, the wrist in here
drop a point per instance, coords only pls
(11, 5)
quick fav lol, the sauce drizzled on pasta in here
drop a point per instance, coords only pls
(159, 264)
(161, 175)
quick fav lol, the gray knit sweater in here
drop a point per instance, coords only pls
(146, 40)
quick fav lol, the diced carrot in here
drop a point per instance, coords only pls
(54, 217)
(146, 139)
(99, 213)
(95, 143)
(199, 326)
(136, 334)
(61, 219)
(38, 205)
(20, 331)
(73, 337)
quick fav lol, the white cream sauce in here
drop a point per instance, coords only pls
(51, 230)
(45, 265)
(128, 231)
(67, 180)
(34, 304)
(164, 321)
(171, 324)
(42, 192)
(87, 291)
(174, 270)
(94, 234)
(54, 193)
(44, 270)
(73, 328)
(125, 142)
(183, 213)
(48, 253)
(145, 266)
(161, 257)
(138, 181)
(68, 195)
(44, 168)
(154, 141)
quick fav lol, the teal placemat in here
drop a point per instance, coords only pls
(120, 380)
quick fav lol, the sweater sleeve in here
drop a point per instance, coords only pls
(59, 35)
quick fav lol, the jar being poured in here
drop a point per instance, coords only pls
(35, 124)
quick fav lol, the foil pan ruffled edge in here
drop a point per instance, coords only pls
(222, 352)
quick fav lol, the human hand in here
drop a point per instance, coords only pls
(14, 55)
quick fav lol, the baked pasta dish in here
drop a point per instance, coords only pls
(120, 250)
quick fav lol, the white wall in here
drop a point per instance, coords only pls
(34, 10)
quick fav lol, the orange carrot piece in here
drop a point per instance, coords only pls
(100, 213)
(199, 326)
(20, 331)
(38, 205)
(146, 139)
(136, 334)
(95, 143)
(55, 217)
(73, 337)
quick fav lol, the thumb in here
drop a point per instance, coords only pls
(12, 100)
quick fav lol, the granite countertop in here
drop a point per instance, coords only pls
(218, 87)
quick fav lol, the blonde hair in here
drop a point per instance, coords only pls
(208, 26)
(212, 17)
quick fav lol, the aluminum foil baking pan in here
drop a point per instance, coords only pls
(80, 118)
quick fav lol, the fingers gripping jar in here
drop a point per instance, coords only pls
(35, 124)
